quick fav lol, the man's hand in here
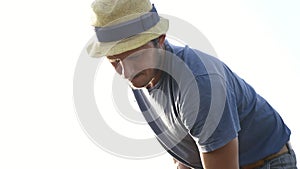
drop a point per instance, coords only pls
(179, 165)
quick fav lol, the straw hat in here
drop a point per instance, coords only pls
(123, 25)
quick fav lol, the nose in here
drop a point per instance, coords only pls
(125, 69)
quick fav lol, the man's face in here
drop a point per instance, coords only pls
(138, 66)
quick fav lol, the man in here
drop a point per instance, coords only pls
(202, 113)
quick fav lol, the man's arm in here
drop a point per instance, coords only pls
(225, 157)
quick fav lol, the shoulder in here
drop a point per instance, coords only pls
(198, 62)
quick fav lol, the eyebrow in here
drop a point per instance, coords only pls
(111, 57)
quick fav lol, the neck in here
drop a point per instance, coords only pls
(155, 79)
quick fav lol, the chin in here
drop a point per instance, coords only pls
(137, 86)
(139, 82)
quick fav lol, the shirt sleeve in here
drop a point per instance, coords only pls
(216, 121)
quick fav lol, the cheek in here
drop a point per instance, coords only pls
(150, 62)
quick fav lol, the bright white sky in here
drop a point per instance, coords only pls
(42, 40)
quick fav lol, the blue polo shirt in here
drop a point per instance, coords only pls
(200, 104)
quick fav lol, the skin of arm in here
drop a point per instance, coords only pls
(225, 157)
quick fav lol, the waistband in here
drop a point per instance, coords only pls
(285, 149)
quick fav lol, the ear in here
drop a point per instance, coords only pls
(161, 40)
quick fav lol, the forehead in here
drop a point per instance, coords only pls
(130, 52)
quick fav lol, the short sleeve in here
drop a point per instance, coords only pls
(216, 122)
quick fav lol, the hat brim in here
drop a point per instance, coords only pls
(99, 49)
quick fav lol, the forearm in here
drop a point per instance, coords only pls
(225, 157)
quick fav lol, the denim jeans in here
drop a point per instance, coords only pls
(284, 161)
